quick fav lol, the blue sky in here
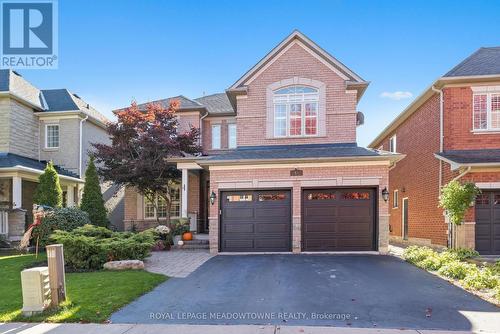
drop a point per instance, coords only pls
(111, 52)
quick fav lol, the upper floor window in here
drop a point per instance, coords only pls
(216, 137)
(295, 111)
(231, 129)
(392, 144)
(486, 111)
(52, 136)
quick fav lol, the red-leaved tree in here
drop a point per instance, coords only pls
(143, 142)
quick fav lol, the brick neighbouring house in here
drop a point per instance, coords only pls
(280, 157)
(467, 149)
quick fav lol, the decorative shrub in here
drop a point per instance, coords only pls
(463, 253)
(457, 269)
(456, 199)
(49, 192)
(432, 262)
(415, 254)
(480, 279)
(64, 219)
(92, 201)
(89, 247)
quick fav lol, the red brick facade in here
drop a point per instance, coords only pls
(417, 176)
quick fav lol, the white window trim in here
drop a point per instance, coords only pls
(219, 140)
(488, 94)
(303, 103)
(394, 141)
(154, 217)
(47, 136)
(229, 126)
(395, 199)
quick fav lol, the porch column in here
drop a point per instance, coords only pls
(184, 193)
(70, 196)
(17, 192)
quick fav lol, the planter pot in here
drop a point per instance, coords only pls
(187, 236)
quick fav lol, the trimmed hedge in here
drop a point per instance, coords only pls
(89, 247)
(64, 219)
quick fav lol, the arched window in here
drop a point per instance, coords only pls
(295, 111)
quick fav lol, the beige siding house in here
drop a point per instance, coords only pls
(37, 126)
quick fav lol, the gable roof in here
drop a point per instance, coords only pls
(185, 103)
(216, 104)
(482, 66)
(485, 61)
(46, 100)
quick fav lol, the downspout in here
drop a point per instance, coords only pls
(201, 128)
(81, 146)
(441, 132)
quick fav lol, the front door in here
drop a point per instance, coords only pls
(405, 218)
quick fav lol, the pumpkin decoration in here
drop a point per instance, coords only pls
(187, 236)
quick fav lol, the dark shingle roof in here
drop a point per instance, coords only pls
(185, 103)
(216, 103)
(12, 160)
(472, 156)
(485, 61)
(296, 152)
(64, 100)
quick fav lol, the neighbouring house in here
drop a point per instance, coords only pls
(281, 170)
(450, 132)
(37, 126)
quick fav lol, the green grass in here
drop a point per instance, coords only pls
(91, 296)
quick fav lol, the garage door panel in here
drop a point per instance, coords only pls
(487, 228)
(256, 221)
(239, 228)
(240, 214)
(272, 228)
(267, 213)
(343, 222)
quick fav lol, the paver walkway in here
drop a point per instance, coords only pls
(176, 263)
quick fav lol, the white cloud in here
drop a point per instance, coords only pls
(398, 95)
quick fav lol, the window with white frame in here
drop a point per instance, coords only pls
(161, 210)
(392, 144)
(295, 111)
(231, 129)
(216, 137)
(486, 111)
(52, 135)
(395, 199)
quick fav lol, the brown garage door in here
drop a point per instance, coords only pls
(338, 219)
(488, 223)
(255, 221)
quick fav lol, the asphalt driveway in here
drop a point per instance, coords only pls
(329, 290)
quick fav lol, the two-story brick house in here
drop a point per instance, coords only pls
(37, 126)
(281, 170)
(450, 132)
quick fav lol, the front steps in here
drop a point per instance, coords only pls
(198, 243)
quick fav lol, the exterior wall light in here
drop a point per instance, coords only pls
(213, 196)
(385, 194)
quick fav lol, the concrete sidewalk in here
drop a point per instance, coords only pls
(46, 328)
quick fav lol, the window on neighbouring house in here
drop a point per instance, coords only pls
(295, 111)
(52, 136)
(395, 199)
(161, 211)
(231, 129)
(486, 111)
(392, 144)
(216, 138)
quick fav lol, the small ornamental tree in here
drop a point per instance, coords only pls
(143, 142)
(92, 201)
(49, 192)
(456, 198)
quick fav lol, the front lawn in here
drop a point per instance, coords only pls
(91, 296)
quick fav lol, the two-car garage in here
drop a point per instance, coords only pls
(333, 219)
